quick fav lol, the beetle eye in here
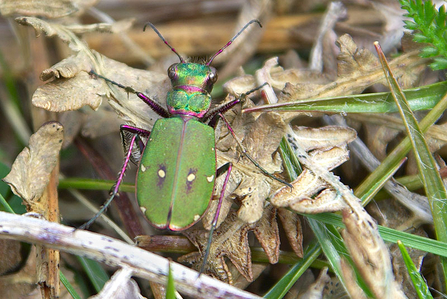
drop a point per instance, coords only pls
(213, 76)
(172, 71)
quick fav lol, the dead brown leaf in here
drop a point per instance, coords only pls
(324, 138)
(294, 231)
(46, 8)
(31, 170)
(369, 253)
(358, 70)
(71, 88)
(115, 27)
(69, 94)
(390, 213)
(231, 240)
(53, 29)
(120, 286)
(354, 62)
(260, 137)
(310, 193)
(21, 283)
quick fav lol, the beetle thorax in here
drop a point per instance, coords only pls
(191, 87)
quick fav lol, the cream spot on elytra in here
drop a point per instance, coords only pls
(161, 173)
(191, 177)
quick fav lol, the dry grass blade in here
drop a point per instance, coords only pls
(115, 253)
(433, 184)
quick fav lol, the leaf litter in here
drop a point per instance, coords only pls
(70, 87)
(248, 186)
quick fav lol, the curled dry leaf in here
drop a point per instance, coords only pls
(351, 286)
(120, 286)
(315, 290)
(68, 68)
(354, 62)
(68, 33)
(324, 138)
(260, 137)
(129, 107)
(276, 76)
(231, 240)
(294, 231)
(240, 84)
(359, 70)
(71, 88)
(64, 95)
(310, 193)
(30, 172)
(116, 27)
(53, 29)
(391, 213)
(369, 253)
(47, 8)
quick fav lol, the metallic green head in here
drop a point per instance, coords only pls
(192, 84)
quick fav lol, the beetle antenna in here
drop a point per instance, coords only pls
(231, 40)
(164, 40)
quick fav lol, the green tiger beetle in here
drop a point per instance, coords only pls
(177, 169)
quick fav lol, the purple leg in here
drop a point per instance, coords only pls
(139, 131)
(226, 167)
(125, 138)
(115, 188)
(154, 105)
(214, 114)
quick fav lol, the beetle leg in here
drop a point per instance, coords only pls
(157, 108)
(127, 133)
(226, 167)
(214, 113)
(244, 151)
(137, 132)
(116, 187)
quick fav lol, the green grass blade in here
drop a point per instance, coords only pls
(68, 286)
(391, 235)
(292, 165)
(97, 275)
(399, 152)
(433, 184)
(372, 186)
(334, 250)
(170, 288)
(331, 243)
(420, 285)
(6, 206)
(328, 236)
(421, 98)
(282, 287)
(93, 184)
